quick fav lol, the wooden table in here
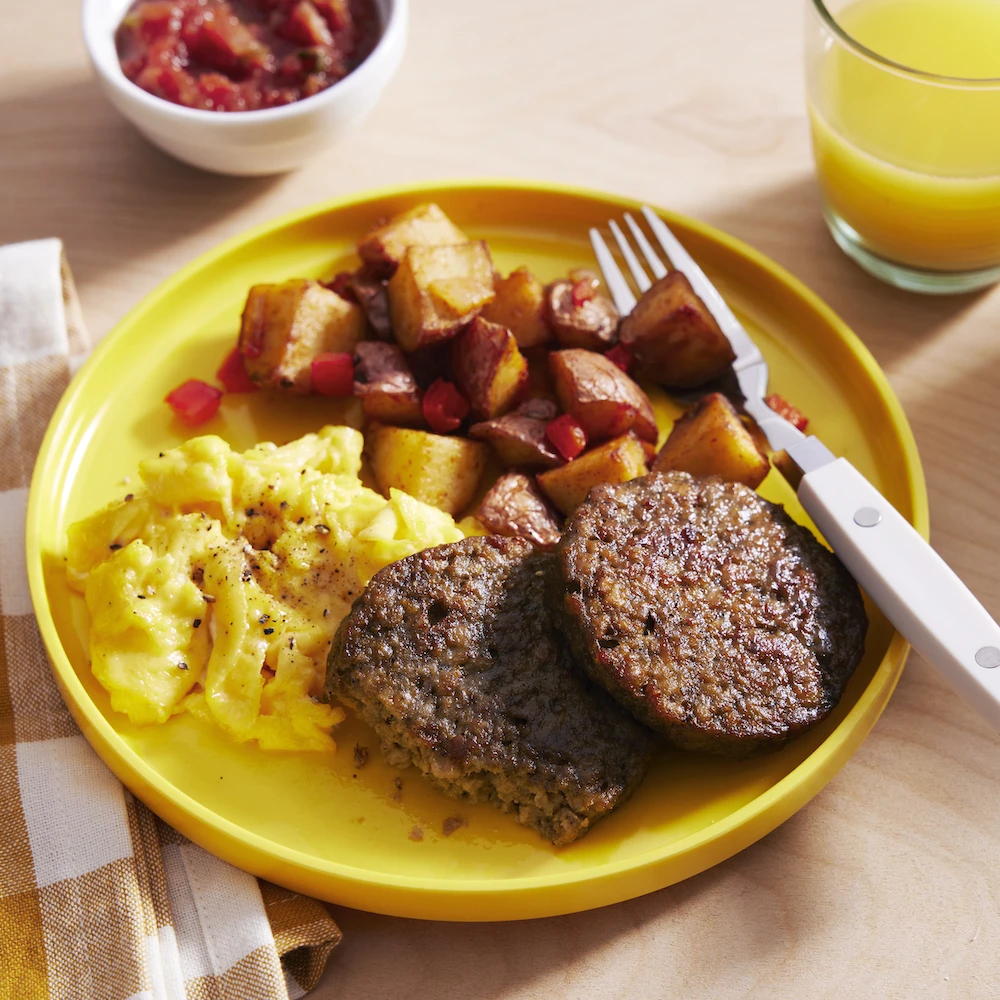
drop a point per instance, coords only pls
(887, 883)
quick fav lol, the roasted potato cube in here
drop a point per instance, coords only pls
(514, 506)
(576, 321)
(539, 383)
(488, 368)
(520, 306)
(541, 408)
(674, 338)
(438, 290)
(600, 395)
(430, 363)
(786, 465)
(385, 385)
(518, 438)
(422, 226)
(710, 439)
(440, 470)
(615, 461)
(285, 326)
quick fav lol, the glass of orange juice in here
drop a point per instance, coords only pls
(904, 104)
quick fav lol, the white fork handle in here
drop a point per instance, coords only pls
(909, 581)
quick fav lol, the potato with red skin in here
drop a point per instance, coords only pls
(520, 306)
(426, 225)
(710, 439)
(385, 385)
(605, 401)
(488, 368)
(371, 295)
(437, 290)
(285, 326)
(590, 322)
(674, 338)
(615, 461)
(518, 438)
(514, 506)
(539, 383)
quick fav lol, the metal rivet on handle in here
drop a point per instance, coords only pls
(988, 657)
(867, 517)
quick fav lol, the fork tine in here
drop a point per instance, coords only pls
(655, 264)
(613, 277)
(640, 276)
(748, 355)
(685, 263)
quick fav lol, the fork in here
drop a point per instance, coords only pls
(911, 584)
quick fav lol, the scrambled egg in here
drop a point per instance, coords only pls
(217, 588)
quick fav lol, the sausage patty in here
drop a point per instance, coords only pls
(452, 656)
(707, 612)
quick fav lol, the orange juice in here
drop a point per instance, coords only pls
(908, 155)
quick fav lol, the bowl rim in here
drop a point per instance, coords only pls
(394, 14)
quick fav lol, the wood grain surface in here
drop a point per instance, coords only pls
(887, 883)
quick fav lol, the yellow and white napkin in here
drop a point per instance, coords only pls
(100, 900)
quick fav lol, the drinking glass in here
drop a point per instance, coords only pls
(907, 157)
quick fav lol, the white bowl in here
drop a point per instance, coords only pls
(246, 142)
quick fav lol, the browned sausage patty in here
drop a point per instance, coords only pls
(707, 611)
(452, 656)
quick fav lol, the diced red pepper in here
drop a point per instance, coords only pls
(333, 374)
(444, 407)
(621, 356)
(194, 401)
(790, 412)
(233, 374)
(583, 291)
(567, 436)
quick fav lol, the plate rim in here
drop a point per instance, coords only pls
(740, 828)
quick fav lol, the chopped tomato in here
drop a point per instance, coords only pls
(194, 401)
(336, 12)
(156, 18)
(233, 374)
(621, 356)
(444, 407)
(583, 291)
(216, 38)
(220, 93)
(567, 436)
(791, 413)
(306, 26)
(333, 374)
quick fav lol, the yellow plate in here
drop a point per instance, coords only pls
(316, 823)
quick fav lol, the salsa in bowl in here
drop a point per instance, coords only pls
(298, 74)
(243, 55)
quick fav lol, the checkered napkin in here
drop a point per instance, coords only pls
(99, 900)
